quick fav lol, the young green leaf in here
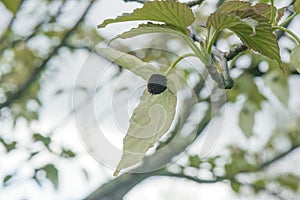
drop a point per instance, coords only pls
(252, 28)
(150, 121)
(295, 58)
(278, 83)
(51, 174)
(247, 118)
(12, 5)
(172, 13)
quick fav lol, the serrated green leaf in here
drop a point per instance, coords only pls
(278, 83)
(232, 6)
(247, 118)
(149, 122)
(51, 174)
(252, 28)
(295, 58)
(265, 11)
(130, 62)
(173, 13)
(12, 5)
(148, 28)
(296, 5)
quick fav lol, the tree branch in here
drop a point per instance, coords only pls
(23, 88)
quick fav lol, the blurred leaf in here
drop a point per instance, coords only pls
(12, 5)
(8, 146)
(235, 186)
(172, 13)
(253, 29)
(149, 122)
(194, 161)
(289, 180)
(279, 85)
(51, 174)
(32, 155)
(259, 185)
(247, 118)
(68, 153)
(45, 140)
(295, 58)
(6, 179)
(245, 85)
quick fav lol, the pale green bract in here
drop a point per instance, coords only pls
(153, 116)
(149, 122)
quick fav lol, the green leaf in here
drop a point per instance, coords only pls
(51, 174)
(295, 58)
(6, 179)
(235, 186)
(252, 28)
(130, 62)
(289, 180)
(149, 122)
(247, 118)
(245, 85)
(68, 153)
(12, 5)
(45, 140)
(296, 5)
(172, 13)
(259, 185)
(148, 28)
(194, 161)
(278, 83)
(265, 11)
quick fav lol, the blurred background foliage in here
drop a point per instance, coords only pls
(35, 34)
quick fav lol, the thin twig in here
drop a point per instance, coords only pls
(23, 88)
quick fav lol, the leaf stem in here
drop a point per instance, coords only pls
(178, 60)
(288, 19)
(200, 53)
(211, 42)
(288, 31)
